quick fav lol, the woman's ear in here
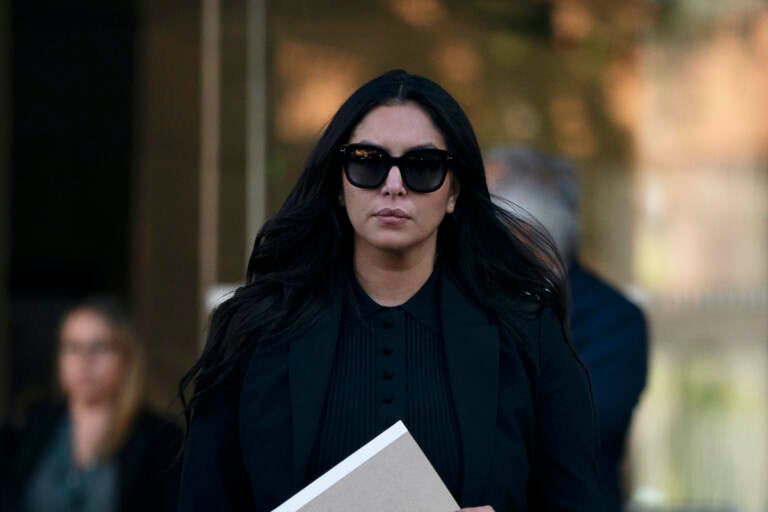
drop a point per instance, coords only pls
(453, 196)
(341, 199)
(451, 205)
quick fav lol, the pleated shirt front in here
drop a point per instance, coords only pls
(390, 365)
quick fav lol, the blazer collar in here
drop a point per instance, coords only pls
(472, 356)
(471, 345)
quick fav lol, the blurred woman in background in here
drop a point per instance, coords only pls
(100, 450)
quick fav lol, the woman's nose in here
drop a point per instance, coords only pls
(394, 184)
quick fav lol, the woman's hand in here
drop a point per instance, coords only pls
(486, 508)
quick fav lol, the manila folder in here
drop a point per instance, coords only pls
(388, 474)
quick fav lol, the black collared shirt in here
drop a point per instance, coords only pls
(390, 366)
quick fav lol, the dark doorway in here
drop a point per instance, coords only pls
(73, 89)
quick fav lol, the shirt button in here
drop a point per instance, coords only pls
(387, 351)
(387, 375)
(388, 399)
(387, 323)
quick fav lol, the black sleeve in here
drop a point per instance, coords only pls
(623, 358)
(565, 474)
(213, 474)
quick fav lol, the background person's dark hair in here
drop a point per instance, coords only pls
(304, 252)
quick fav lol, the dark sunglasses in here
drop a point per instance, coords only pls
(422, 170)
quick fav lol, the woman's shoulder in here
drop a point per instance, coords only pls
(25, 436)
(35, 419)
(275, 351)
(527, 311)
(154, 435)
(538, 327)
(150, 420)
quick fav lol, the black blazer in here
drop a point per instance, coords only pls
(147, 476)
(528, 441)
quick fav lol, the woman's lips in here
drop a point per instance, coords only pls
(392, 216)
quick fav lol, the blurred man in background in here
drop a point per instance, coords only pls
(609, 331)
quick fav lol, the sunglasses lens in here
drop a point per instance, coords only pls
(424, 170)
(365, 167)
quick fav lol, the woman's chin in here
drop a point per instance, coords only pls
(394, 242)
(89, 397)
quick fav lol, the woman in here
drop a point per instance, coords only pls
(101, 451)
(388, 286)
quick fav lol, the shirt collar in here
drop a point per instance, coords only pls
(424, 305)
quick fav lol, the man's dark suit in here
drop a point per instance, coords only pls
(609, 333)
(527, 442)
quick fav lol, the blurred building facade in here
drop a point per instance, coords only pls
(207, 110)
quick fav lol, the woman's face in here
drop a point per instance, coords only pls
(91, 364)
(397, 129)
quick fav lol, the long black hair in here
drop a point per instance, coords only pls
(303, 254)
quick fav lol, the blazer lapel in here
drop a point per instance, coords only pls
(472, 356)
(311, 360)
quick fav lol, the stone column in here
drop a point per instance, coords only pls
(256, 126)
